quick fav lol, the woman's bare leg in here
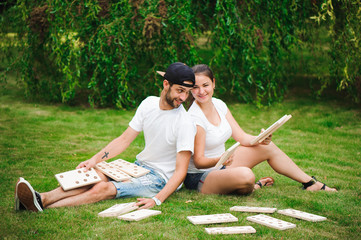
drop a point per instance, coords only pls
(240, 180)
(277, 159)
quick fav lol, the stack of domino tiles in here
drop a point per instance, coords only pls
(121, 170)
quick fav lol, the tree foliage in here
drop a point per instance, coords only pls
(106, 52)
(343, 19)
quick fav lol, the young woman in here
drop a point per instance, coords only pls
(215, 124)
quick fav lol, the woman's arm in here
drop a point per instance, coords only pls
(241, 136)
(237, 132)
(200, 161)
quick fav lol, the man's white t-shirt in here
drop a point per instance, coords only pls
(216, 136)
(166, 132)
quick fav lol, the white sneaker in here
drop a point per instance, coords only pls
(28, 197)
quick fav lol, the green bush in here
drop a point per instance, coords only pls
(102, 52)
(107, 52)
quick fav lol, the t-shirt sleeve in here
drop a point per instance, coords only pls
(185, 136)
(197, 116)
(137, 122)
(198, 121)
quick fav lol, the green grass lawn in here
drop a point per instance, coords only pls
(40, 140)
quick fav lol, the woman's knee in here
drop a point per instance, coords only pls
(246, 180)
(247, 176)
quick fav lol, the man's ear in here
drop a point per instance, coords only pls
(166, 84)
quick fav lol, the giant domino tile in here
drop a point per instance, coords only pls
(213, 218)
(302, 215)
(77, 178)
(118, 209)
(271, 222)
(230, 230)
(139, 215)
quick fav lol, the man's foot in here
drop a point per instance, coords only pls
(18, 205)
(263, 182)
(314, 185)
(28, 197)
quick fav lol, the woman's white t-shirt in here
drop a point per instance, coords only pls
(216, 136)
(166, 132)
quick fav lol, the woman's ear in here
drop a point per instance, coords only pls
(214, 83)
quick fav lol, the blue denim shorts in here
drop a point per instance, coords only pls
(145, 186)
(194, 181)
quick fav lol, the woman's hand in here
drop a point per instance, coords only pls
(229, 161)
(267, 140)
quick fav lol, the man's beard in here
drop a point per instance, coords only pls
(169, 100)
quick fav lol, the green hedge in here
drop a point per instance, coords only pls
(106, 52)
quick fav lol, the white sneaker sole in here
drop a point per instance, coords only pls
(26, 195)
(17, 202)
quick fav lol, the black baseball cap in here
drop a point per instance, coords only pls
(179, 73)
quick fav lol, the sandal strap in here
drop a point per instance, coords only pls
(310, 183)
(259, 184)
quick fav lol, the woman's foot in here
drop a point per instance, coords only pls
(314, 185)
(264, 182)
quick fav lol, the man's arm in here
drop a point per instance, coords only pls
(178, 177)
(113, 149)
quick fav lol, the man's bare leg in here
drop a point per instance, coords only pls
(53, 196)
(98, 192)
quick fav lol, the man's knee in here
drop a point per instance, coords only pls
(103, 190)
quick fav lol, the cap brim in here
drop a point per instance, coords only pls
(161, 73)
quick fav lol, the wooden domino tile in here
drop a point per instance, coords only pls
(214, 218)
(271, 222)
(112, 171)
(231, 230)
(77, 178)
(227, 154)
(118, 209)
(253, 209)
(130, 168)
(302, 215)
(271, 129)
(139, 215)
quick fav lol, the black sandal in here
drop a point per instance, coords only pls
(311, 182)
(260, 184)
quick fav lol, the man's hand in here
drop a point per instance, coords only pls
(146, 202)
(88, 164)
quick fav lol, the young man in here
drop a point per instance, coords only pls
(169, 137)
